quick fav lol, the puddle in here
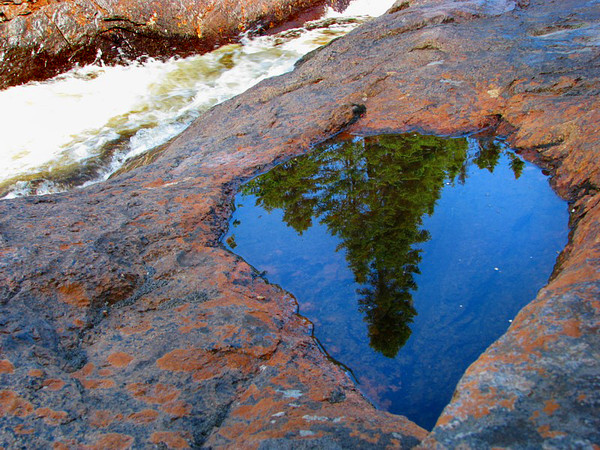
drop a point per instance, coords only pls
(410, 254)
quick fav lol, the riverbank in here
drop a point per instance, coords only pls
(126, 323)
(41, 39)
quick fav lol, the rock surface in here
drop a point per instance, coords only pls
(39, 39)
(124, 323)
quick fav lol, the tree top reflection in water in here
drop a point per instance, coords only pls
(372, 193)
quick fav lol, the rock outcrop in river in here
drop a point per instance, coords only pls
(124, 323)
(39, 39)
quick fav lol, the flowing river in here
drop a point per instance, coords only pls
(80, 127)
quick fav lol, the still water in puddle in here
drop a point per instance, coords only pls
(410, 254)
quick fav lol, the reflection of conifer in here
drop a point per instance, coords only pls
(372, 193)
(388, 308)
(488, 154)
(516, 164)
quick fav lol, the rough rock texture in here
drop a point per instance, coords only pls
(41, 38)
(123, 322)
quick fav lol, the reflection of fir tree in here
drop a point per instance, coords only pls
(371, 193)
(488, 156)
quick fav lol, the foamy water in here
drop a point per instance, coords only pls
(80, 127)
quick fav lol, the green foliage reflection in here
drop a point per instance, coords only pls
(372, 193)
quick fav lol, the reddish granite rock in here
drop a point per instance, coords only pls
(41, 38)
(125, 323)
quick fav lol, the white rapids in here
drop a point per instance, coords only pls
(50, 129)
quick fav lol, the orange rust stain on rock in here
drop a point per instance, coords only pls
(61, 446)
(36, 373)
(79, 323)
(5, 252)
(186, 320)
(144, 416)
(154, 184)
(252, 392)
(572, 328)
(550, 406)
(228, 331)
(101, 383)
(547, 433)
(53, 384)
(568, 279)
(183, 360)
(50, 416)
(177, 408)
(6, 366)
(232, 361)
(20, 429)
(74, 295)
(523, 336)
(171, 438)
(187, 328)
(102, 418)
(479, 404)
(112, 441)
(365, 437)
(13, 405)
(508, 403)
(134, 329)
(105, 372)
(182, 308)
(489, 360)
(84, 372)
(262, 408)
(157, 394)
(444, 420)
(64, 247)
(233, 431)
(119, 359)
